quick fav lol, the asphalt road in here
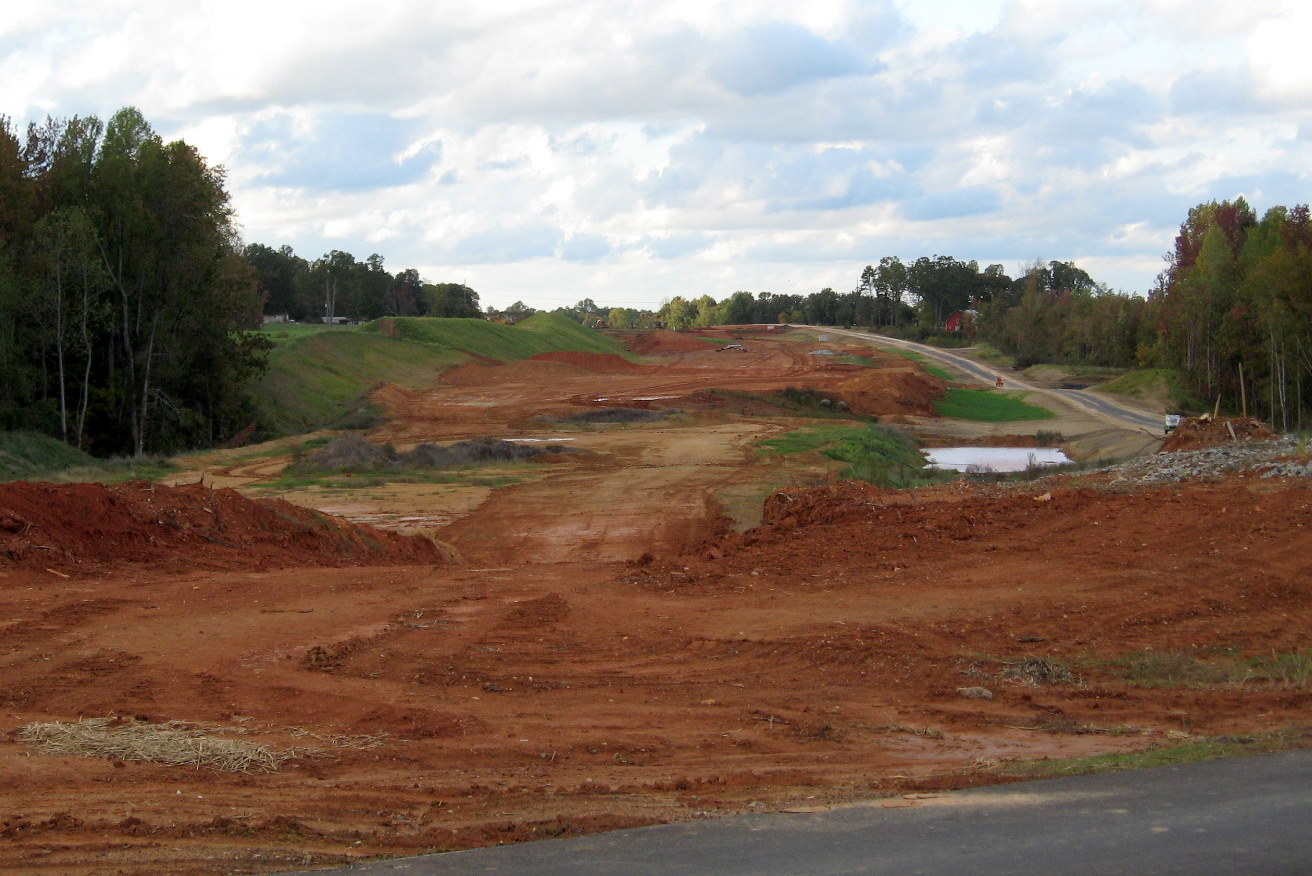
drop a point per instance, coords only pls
(1117, 413)
(1250, 815)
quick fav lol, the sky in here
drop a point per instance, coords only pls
(628, 151)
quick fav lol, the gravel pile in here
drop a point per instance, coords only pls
(1267, 458)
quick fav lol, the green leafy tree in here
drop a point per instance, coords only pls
(455, 300)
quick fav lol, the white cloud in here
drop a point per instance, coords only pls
(1276, 52)
(628, 151)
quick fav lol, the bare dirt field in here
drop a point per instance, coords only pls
(595, 645)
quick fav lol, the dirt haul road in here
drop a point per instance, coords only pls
(586, 655)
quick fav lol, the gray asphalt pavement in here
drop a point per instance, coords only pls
(1117, 412)
(1250, 816)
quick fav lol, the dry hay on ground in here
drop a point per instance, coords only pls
(174, 743)
(1036, 671)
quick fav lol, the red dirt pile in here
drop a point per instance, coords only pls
(888, 391)
(83, 527)
(658, 342)
(1195, 433)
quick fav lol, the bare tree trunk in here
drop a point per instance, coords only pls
(145, 388)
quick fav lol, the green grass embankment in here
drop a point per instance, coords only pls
(317, 378)
(1161, 387)
(877, 454)
(931, 366)
(30, 456)
(989, 406)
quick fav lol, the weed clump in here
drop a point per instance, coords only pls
(1037, 671)
(618, 415)
(352, 453)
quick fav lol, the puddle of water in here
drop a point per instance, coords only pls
(1000, 459)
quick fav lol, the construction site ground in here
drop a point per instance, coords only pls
(629, 634)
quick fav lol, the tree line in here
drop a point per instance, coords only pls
(128, 305)
(337, 287)
(125, 302)
(1231, 313)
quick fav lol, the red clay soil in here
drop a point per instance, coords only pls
(902, 391)
(1196, 433)
(660, 342)
(832, 654)
(82, 528)
(602, 363)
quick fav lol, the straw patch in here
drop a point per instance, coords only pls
(175, 743)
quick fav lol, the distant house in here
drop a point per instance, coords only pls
(276, 317)
(961, 320)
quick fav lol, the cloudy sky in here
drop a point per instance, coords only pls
(632, 150)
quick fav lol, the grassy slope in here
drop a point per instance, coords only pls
(28, 455)
(877, 454)
(989, 406)
(316, 378)
(1158, 386)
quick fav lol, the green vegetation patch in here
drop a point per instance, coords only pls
(794, 401)
(540, 333)
(352, 453)
(989, 406)
(873, 453)
(1289, 670)
(283, 333)
(1192, 751)
(993, 356)
(810, 439)
(320, 375)
(930, 366)
(1159, 385)
(26, 456)
(349, 462)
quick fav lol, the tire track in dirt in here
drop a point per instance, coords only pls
(656, 492)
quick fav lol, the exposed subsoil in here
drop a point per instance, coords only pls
(594, 647)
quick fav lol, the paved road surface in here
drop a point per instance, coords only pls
(1249, 815)
(1116, 412)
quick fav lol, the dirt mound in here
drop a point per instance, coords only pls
(661, 341)
(84, 527)
(1195, 433)
(890, 391)
(822, 504)
(605, 363)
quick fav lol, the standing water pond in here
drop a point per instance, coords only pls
(996, 459)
